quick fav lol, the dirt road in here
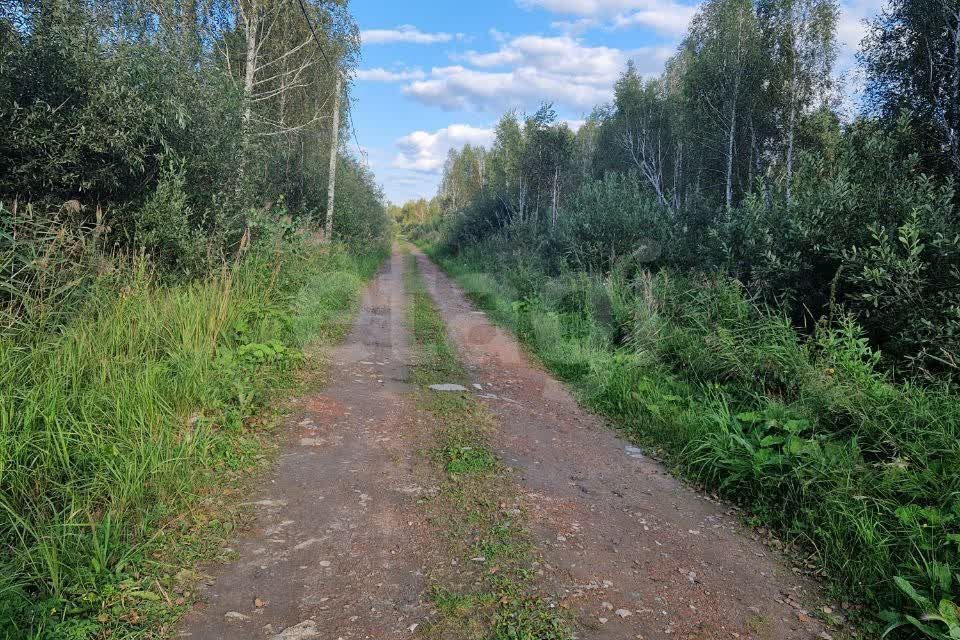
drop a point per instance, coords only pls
(334, 552)
(340, 549)
(621, 534)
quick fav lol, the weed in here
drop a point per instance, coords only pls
(467, 460)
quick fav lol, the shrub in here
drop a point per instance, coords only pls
(481, 218)
(867, 231)
(608, 220)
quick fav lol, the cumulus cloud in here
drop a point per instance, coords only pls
(561, 55)
(573, 27)
(380, 74)
(673, 16)
(425, 151)
(456, 88)
(851, 28)
(404, 33)
(526, 70)
(666, 16)
(581, 7)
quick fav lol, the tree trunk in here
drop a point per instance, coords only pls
(792, 125)
(953, 112)
(731, 139)
(791, 128)
(334, 147)
(677, 178)
(556, 183)
(252, 20)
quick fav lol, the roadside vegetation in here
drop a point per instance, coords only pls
(490, 590)
(764, 288)
(163, 190)
(119, 428)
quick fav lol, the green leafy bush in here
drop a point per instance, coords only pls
(608, 220)
(865, 230)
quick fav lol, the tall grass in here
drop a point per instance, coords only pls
(112, 425)
(859, 472)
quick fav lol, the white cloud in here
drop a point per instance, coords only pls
(527, 70)
(582, 7)
(423, 151)
(851, 27)
(573, 27)
(455, 88)
(560, 55)
(667, 16)
(404, 33)
(380, 74)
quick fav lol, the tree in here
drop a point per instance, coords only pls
(648, 132)
(799, 41)
(129, 107)
(722, 70)
(505, 170)
(912, 58)
(464, 176)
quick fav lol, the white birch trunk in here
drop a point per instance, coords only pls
(334, 148)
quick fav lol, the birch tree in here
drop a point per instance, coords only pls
(648, 128)
(799, 40)
(912, 59)
(722, 70)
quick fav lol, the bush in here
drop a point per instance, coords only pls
(429, 233)
(360, 218)
(610, 220)
(112, 110)
(166, 227)
(481, 218)
(866, 231)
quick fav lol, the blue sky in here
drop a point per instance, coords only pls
(436, 74)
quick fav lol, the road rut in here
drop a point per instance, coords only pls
(337, 548)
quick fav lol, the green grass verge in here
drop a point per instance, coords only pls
(858, 475)
(128, 436)
(490, 590)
